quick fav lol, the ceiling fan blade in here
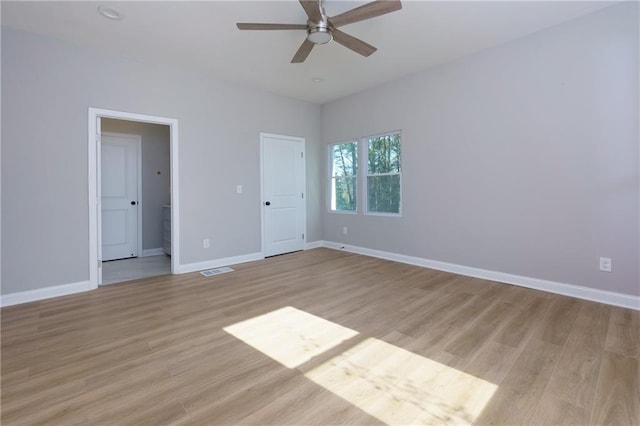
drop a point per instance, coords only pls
(312, 8)
(367, 11)
(303, 52)
(252, 26)
(355, 44)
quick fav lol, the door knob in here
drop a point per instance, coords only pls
(268, 203)
(133, 203)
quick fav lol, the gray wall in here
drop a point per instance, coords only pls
(47, 87)
(155, 186)
(521, 159)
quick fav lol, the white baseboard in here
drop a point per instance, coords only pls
(79, 287)
(602, 296)
(216, 263)
(152, 252)
(580, 292)
(43, 293)
(314, 244)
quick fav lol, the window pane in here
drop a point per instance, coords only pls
(384, 154)
(344, 159)
(343, 194)
(383, 193)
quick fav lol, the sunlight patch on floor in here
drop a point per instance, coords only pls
(289, 335)
(399, 387)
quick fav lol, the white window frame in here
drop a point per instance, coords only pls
(332, 178)
(365, 166)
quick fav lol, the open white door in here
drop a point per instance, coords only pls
(120, 158)
(283, 202)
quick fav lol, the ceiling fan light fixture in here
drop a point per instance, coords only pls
(319, 35)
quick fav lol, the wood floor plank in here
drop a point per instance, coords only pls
(164, 414)
(232, 400)
(481, 330)
(577, 374)
(295, 406)
(156, 406)
(262, 380)
(485, 364)
(91, 360)
(623, 336)
(474, 308)
(118, 398)
(14, 378)
(18, 403)
(60, 414)
(524, 324)
(158, 350)
(447, 307)
(618, 392)
(518, 396)
(559, 320)
(553, 411)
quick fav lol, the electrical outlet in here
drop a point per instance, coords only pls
(605, 264)
(205, 243)
(344, 230)
(238, 189)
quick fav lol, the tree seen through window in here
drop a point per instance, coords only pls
(344, 174)
(383, 174)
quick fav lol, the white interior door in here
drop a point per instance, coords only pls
(283, 202)
(120, 156)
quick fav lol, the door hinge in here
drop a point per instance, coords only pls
(302, 195)
(302, 155)
(303, 236)
(99, 263)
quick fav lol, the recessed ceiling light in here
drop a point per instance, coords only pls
(317, 79)
(109, 13)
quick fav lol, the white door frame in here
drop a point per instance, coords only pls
(304, 186)
(95, 243)
(138, 139)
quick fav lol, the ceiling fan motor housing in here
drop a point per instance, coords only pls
(319, 32)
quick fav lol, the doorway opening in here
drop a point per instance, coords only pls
(133, 196)
(135, 200)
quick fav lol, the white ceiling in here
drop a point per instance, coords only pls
(202, 36)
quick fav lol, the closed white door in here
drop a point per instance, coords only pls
(120, 163)
(283, 202)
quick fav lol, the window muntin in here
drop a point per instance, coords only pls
(383, 179)
(344, 176)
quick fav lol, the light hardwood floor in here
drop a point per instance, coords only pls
(319, 337)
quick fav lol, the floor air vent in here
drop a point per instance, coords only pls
(216, 271)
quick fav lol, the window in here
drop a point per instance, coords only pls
(382, 181)
(383, 174)
(344, 176)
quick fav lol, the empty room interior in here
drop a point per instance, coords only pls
(320, 212)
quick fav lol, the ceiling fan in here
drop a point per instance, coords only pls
(321, 29)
